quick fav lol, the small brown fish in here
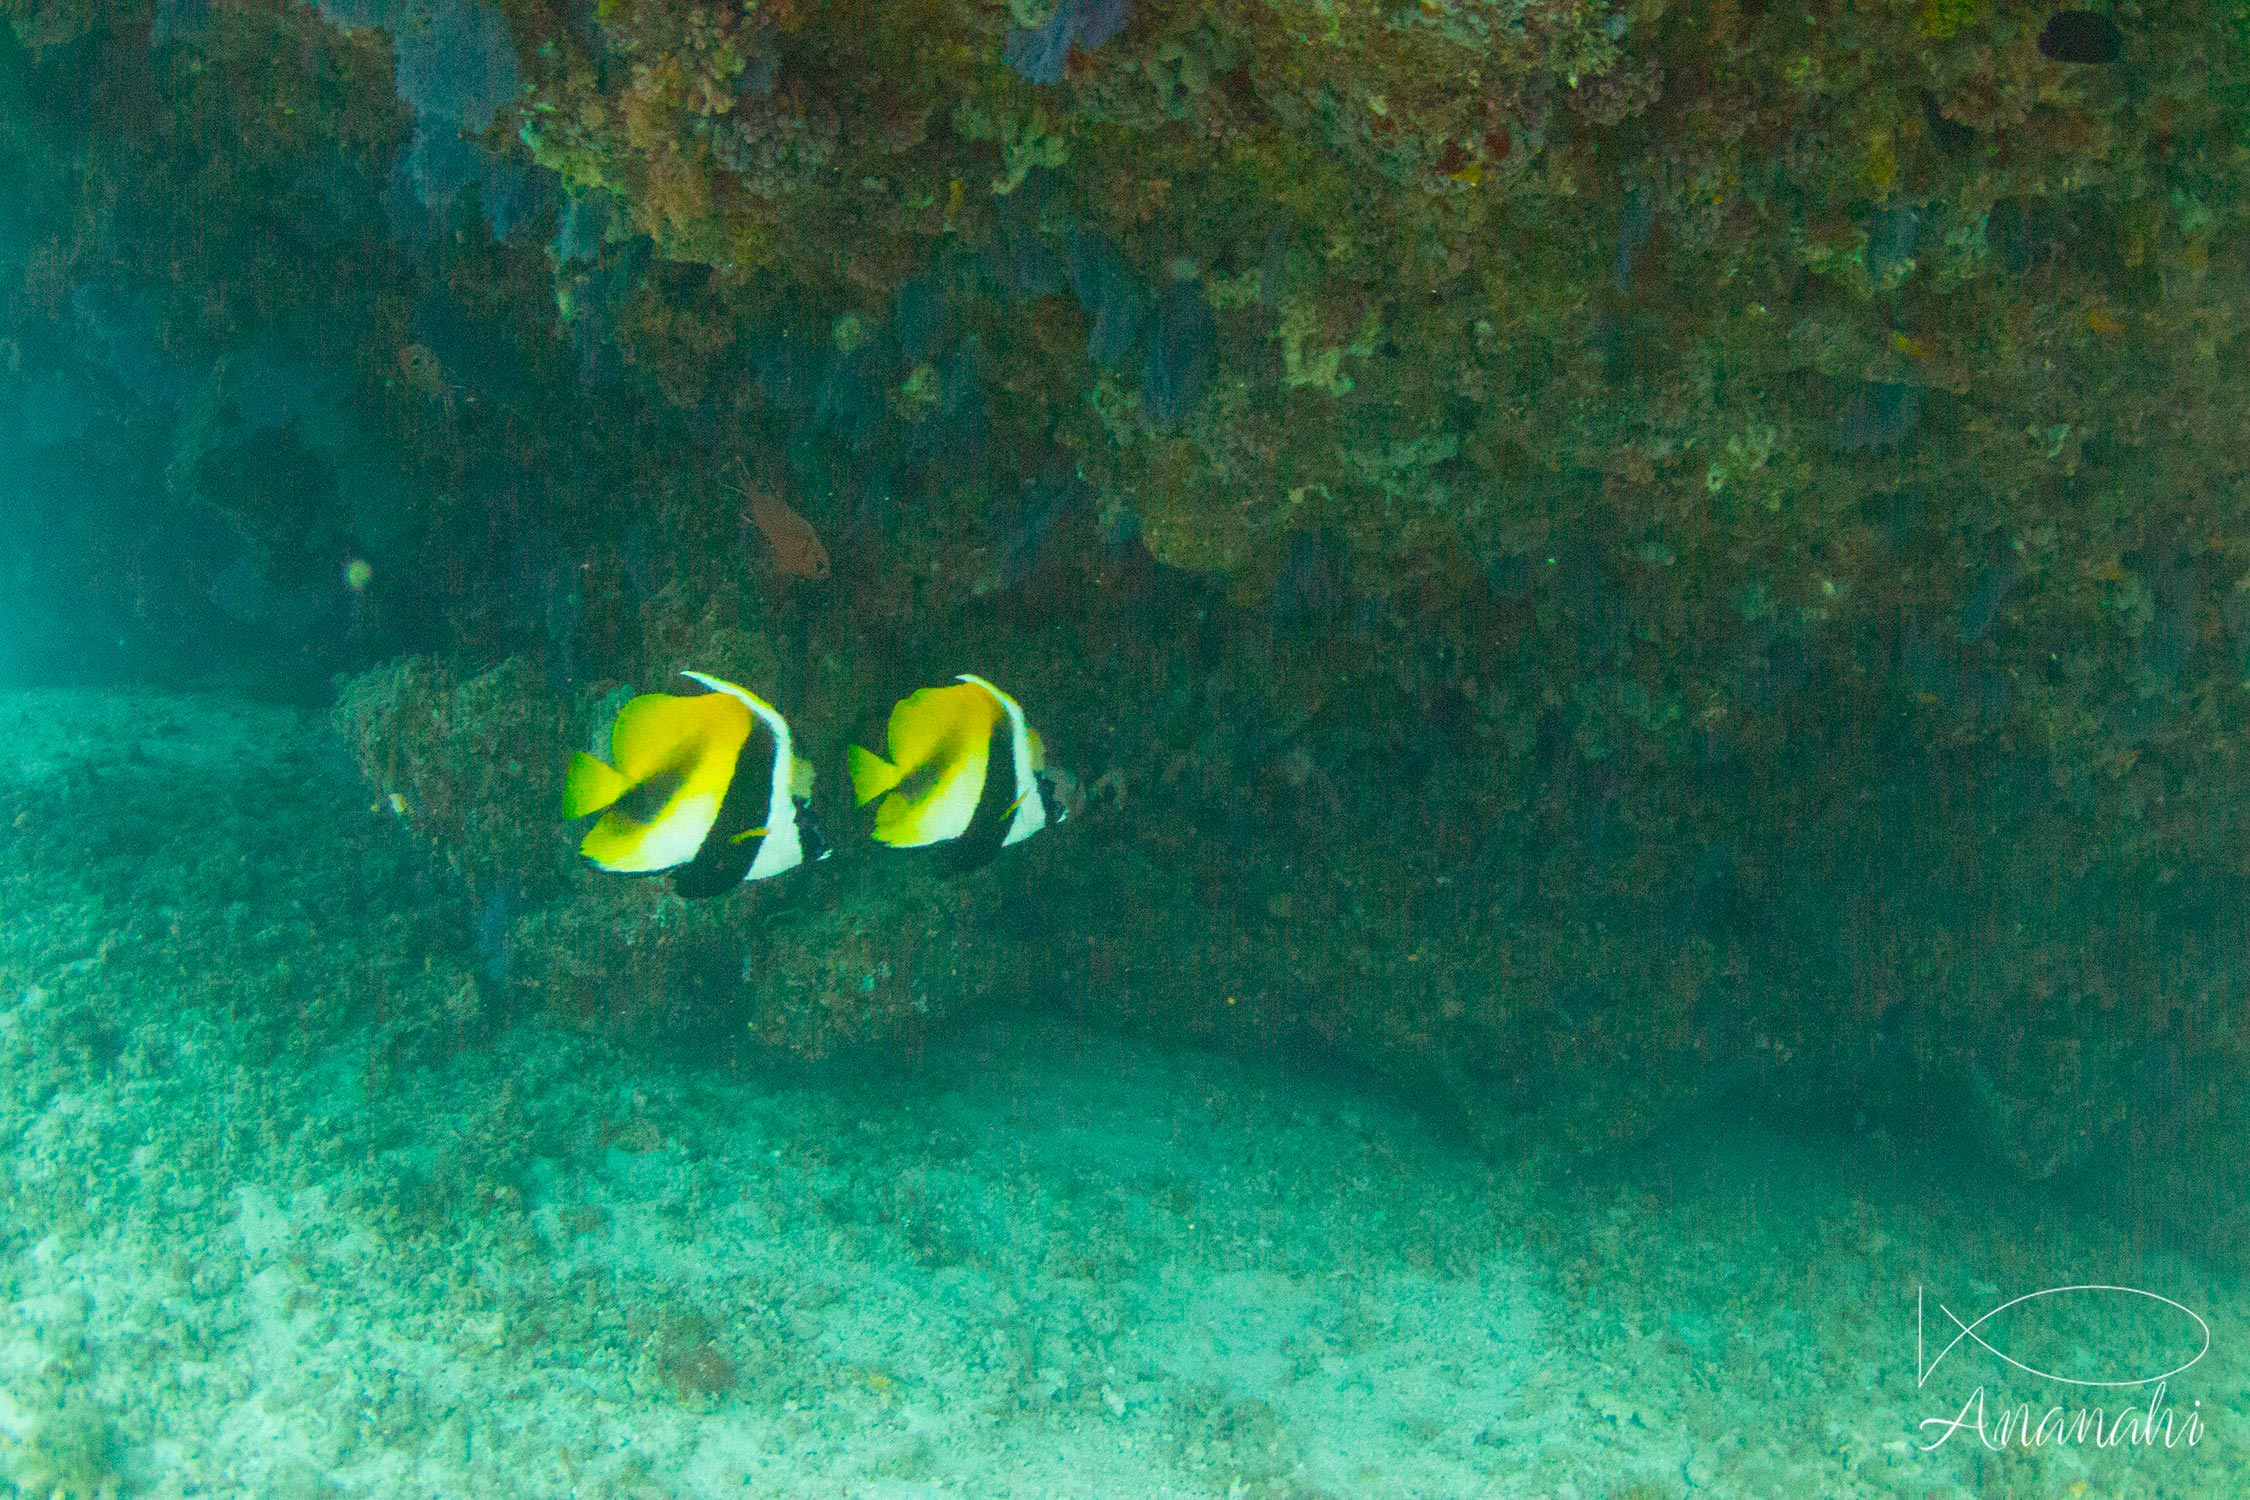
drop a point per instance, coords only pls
(796, 546)
(420, 372)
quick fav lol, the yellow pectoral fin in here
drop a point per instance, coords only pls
(898, 823)
(615, 842)
(747, 835)
(630, 846)
(590, 786)
(871, 774)
(936, 807)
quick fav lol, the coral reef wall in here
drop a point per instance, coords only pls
(1594, 555)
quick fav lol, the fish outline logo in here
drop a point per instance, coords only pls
(1924, 1366)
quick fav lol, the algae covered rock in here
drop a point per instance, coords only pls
(470, 762)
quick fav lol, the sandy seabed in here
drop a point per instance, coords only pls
(285, 1216)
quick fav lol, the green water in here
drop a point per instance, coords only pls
(1491, 748)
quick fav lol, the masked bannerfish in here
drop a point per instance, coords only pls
(965, 771)
(707, 787)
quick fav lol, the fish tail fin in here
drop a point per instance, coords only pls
(591, 786)
(871, 774)
(801, 779)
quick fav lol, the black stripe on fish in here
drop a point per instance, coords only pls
(996, 803)
(731, 847)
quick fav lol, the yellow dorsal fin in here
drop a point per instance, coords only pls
(738, 693)
(590, 786)
(934, 723)
(655, 731)
(871, 774)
